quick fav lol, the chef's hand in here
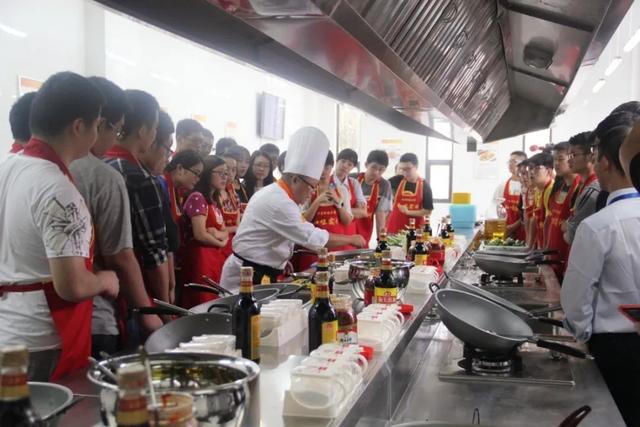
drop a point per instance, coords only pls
(110, 283)
(403, 209)
(358, 241)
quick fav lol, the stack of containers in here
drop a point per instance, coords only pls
(463, 213)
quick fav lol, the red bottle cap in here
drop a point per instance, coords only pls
(367, 352)
(406, 308)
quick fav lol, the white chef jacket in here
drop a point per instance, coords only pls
(271, 225)
(604, 269)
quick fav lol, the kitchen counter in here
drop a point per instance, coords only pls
(373, 403)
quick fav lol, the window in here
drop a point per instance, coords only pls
(439, 163)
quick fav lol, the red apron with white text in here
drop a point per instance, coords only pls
(72, 320)
(364, 226)
(231, 217)
(397, 221)
(202, 260)
(559, 211)
(511, 202)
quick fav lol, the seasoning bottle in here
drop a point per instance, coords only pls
(370, 286)
(347, 321)
(15, 401)
(245, 318)
(331, 261)
(420, 252)
(132, 408)
(411, 236)
(386, 290)
(427, 227)
(323, 320)
(450, 229)
(382, 243)
(444, 233)
(436, 252)
(323, 265)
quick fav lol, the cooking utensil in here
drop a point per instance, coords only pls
(519, 311)
(486, 325)
(106, 371)
(504, 266)
(576, 416)
(216, 285)
(50, 401)
(360, 270)
(185, 328)
(224, 389)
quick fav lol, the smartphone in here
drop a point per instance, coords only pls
(630, 311)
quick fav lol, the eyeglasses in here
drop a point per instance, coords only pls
(196, 173)
(311, 187)
(221, 173)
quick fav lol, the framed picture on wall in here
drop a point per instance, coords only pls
(486, 161)
(349, 122)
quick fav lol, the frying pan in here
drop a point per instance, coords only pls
(486, 325)
(516, 309)
(185, 328)
(525, 253)
(506, 266)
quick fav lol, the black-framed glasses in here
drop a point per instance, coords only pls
(311, 187)
(221, 173)
(196, 173)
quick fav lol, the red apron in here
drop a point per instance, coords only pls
(203, 260)
(559, 211)
(231, 216)
(364, 226)
(397, 220)
(72, 320)
(511, 202)
(15, 148)
(540, 215)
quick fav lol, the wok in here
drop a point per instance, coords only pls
(185, 328)
(226, 304)
(506, 266)
(516, 309)
(525, 253)
(488, 326)
(285, 290)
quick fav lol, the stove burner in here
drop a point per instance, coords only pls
(488, 279)
(484, 363)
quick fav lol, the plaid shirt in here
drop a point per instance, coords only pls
(145, 196)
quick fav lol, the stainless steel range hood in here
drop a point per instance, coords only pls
(501, 68)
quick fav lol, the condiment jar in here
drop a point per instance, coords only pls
(347, 321)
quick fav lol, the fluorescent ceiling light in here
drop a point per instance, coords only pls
(599, 84)
(121, 59)
(613, 65)
(163, 78)
(10, 30)
(633, 41)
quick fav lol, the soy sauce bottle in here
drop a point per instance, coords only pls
(323, 265)
(386, 290)
(370, 286)
(411, 236)
(245, 318)
(450, 229)
(427, 228)
(15, 401)
(323, 319)
(382, 243)
(421, 252)
(444, 233)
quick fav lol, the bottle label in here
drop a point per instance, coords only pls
(255, 337)
(421, 259)
(14, 386)
(377, 254)
(348, 334)
(132, 411)
(330, 332)
(246, 288)
(386, 295)
(322, 291)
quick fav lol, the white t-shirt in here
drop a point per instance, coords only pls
(42, 216)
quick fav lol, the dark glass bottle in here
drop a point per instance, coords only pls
(421, 252)
(15, 402)
(450, 229)
(323, 319)
(370, 286)
(386, 291)
(382, 243)
(245, 318)
(427, 228)
(410, 237)
(132, 409)
(444, 233)
(323, 265)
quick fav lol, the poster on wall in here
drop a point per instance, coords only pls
(27, 84)
(349, 122)
(486, 162)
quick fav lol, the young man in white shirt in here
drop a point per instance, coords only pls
(19, 122)
(604, 272)
(45, 276)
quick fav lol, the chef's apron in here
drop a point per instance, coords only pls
(412, 200)
(72, 320)
(364, 226)
(511, 204)
(540, 214)
(559, 211)
(231, 216)
(350, 229)
(203, 260)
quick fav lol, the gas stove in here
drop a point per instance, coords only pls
(525, 365)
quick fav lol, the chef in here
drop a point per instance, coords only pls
(273, 223)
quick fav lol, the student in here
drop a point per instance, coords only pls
(242, 157)
(259, 174)
(525, 204)
(145, 194)
(604, 272)
(273, 152)
(19, 122)
(377, 192)
(281, 160)
(347, 160)
(189, 135)
(205, 233)
(105, 193)
(413, 197)
(225, 144)
(541, 174)
(207, 145)
(581, 162)
(508, 196)
(46, 273)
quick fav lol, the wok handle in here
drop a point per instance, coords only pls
(216, 285)
(176, 310)
(202, 288)
(549, 262)
(549, 321)
(158, 311)
(546, 310)
(434, 287)
(561, 348)
(225, 306)
(576, 416)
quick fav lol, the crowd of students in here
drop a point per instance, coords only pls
(92, 175)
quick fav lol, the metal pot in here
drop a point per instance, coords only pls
(50, 401)
(360, 270)
(225, 389)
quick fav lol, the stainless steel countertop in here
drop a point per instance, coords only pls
(372, 405)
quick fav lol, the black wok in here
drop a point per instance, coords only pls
(506, 266)
(488, 326)
(516, 309)
(185, 328)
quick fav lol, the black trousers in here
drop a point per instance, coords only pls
(618, 359)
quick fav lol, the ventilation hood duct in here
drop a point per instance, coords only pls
(499, 68)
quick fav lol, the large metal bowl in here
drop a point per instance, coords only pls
(360, 270)
(48, 398)
(224, 389)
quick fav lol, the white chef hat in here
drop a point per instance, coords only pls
(307, 152)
